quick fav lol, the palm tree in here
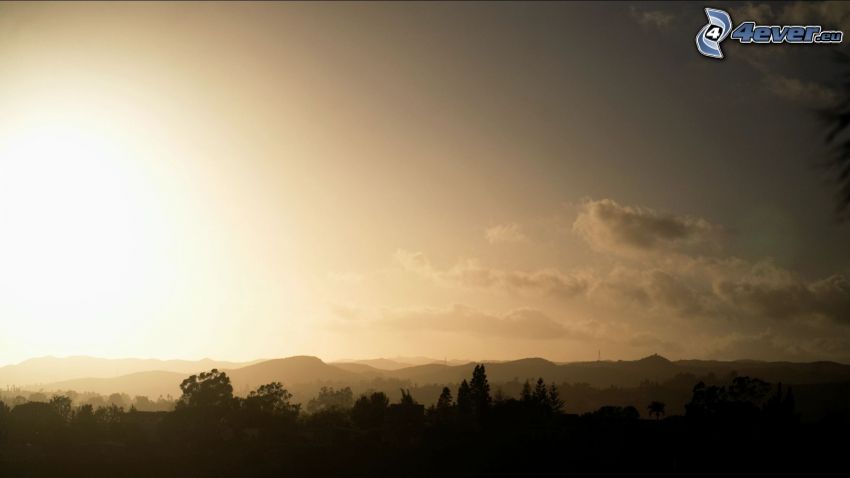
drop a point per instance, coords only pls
(656, 408)
(837, 119)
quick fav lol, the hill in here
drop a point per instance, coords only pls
(305, 374)
(290, 371)
(151, 384)
(43, 370)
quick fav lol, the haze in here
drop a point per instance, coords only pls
(244, 181)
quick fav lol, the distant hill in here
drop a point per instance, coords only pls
(398, 363)
(292, 370)
(37, 371)
(360, 368)
(379, 364)
(150, 384)
(304, 374)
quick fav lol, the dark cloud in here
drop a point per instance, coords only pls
(793, 74)
(760, 292)
(607, 225)
(656, 290)
(828, 298)
(652, 18)
(808, 93)
(832, 15)
(471, 274)
(773, 344)
(519, 324)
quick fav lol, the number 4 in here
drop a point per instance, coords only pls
(713, 32)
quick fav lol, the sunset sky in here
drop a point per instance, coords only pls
(473, 181)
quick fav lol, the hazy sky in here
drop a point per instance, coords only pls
(476, 181)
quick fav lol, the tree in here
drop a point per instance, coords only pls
(83, 414)
(4, 419)
(837, 119)
(208, 390)
(406, 398)
(368, 412)
(83, 421)
(540, 396)
(656, 409)
(62, 405)
(445, 401)
(525, 394)
(555, 403)
(36, 422)
(271, 399)
(143, 403)
(746, 389)
(789, 404)
(479, 391)
(330, 399)
(464, 399)
(118, 400)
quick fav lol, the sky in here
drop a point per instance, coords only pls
(461, 180)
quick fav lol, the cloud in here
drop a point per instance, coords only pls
(470, 274)
(652, 18)
(504, 233)
(729, 288)
(774, 61)
(831, 15)
(677, 279)
(774, 345)
(655, 290)
(607, 226)
(808, 93)
(667, 280)
(829, 298)
(521, 323)
(758, 12)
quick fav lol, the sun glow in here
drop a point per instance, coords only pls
(80, 235)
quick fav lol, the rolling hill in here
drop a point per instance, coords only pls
(151, 384)
(37, 371)
(306, 374)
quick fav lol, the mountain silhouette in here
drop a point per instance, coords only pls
(151, 384)
(298, 370)
(291, 370)
(43, 370)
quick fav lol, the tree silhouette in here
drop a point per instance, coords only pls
(271, 399)
(837, 119)
(406, 398)
(62, 405)
(656, 409)
(368, 412)
(4, 420)
(540, 396)
(445, 401)
(464, 398)
(330, 399)
(554, 399)
(525, 395)
(479, 390)
(208, 390)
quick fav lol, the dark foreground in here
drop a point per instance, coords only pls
(747, 426)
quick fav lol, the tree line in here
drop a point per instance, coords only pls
(469, 430)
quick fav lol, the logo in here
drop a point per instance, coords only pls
(719, 27)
